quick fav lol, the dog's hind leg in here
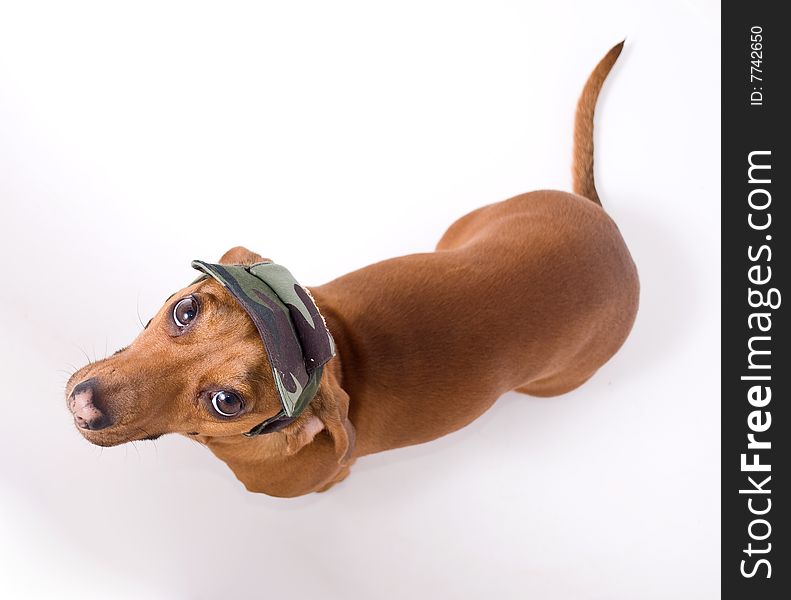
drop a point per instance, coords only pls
(552, 386)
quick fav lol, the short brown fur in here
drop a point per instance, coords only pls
(531, 294)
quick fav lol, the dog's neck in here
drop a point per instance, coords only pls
(299, 459)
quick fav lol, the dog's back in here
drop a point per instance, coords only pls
(534, 293)
(537, 299)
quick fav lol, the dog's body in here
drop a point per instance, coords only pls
(531, 294)
(513, 298)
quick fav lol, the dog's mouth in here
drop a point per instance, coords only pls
(117, 436)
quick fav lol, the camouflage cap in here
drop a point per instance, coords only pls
(294, 333)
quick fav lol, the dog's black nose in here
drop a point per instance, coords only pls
(85, 405)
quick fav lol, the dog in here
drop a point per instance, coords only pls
(290, 385)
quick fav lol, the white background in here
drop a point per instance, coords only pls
(328, 135)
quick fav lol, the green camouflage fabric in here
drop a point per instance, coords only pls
(294, 333)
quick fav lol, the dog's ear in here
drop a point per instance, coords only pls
(331, 405)
(239, 255)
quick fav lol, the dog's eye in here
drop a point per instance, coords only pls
(185, 311)
(226, 404)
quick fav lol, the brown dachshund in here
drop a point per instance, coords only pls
(531, 294)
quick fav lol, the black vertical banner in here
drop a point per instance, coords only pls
(756, 374)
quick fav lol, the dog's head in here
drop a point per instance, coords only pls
(199, 367)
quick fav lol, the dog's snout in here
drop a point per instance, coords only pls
(85, 405)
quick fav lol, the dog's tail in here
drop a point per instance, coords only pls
(582, 165)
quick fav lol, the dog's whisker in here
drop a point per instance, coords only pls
(149, 438)
(192, 439)
(137, 309)
(85, 354)
(136, 449)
